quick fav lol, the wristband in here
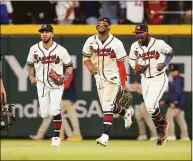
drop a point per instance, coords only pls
(88, 64)
(67, 75)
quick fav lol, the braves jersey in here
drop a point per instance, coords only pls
(105, 56)
(151, 55)
(46, 59)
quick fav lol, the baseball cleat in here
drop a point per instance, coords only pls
(162, 133)
(163, 130)
(128, 115)
(161, 142)
(55, 141)
(103, 140)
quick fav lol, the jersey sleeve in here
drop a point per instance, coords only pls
(120, 51)
(30, 58)
(132, 57)
(86, 51)
(66, 59)
(165, 48)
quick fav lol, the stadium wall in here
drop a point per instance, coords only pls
(15, 48)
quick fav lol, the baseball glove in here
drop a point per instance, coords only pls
(126, 99)
(139, 69)
(56, 78)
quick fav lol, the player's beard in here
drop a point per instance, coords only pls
(46, 40)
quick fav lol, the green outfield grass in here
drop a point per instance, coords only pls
(89, 150)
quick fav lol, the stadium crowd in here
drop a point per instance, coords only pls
(87, 12)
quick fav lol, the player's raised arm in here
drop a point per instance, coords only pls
(168, 52)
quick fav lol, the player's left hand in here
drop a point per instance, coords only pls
(56, 78)
(160, 66)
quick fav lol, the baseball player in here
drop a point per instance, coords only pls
(149, 57)
(45, 65)
(103, 55)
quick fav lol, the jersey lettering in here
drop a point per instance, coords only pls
(105, 52)
(47, 59)
(149, 55)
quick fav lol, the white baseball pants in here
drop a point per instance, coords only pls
(152, 91)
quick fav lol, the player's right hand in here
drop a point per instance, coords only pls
(33, 81)
(93, 70)
(125, 88)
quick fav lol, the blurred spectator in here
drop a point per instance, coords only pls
(65, 12)
(34, 12)
(87, 12)
(22, 12)
(6, 15)
(174, 98)
(155, 11)
(79, 13)
(111, 10)
(91, 11)
(43, 12)
(134, 11)
(68, 99)
(187, 6)
(143, 118)
(174, 16)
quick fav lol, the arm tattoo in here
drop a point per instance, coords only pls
(31, 70)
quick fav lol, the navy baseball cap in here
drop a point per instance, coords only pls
(173, 68)
(105, 19)
(46, 27)
(140, 28)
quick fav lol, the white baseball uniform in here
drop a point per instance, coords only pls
(44, 60)
(105, 56)
(154, 82)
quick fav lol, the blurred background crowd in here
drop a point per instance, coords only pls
(87, 12)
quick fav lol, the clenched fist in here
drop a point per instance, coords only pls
(139, 69)
(160, 66)
(93, 70)
(33, 80)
